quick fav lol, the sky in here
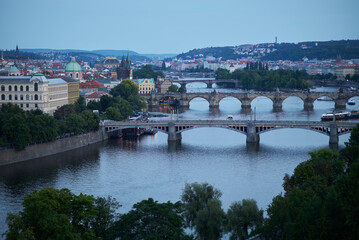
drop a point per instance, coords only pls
(167, 26)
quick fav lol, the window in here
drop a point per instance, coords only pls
(71, 75)
(27, 97)
(15, 88)
(21, 88)
(3, 97)
(77, 75)
(10, 88)
(27, 105)
(36, 105)
(22, 105)
(36, 97)
(10, 97)
(36, 87)
(3, 88)
(15, 97)
(27, 88)
(22, 97)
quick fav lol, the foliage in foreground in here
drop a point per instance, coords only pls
(320, 202)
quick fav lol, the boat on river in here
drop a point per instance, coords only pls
(338, 116)
(325, 98)
(351, 102)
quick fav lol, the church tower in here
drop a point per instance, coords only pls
(124, 71)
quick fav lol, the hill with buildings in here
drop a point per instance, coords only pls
(346, 49)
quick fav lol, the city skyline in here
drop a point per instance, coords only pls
(172, 27)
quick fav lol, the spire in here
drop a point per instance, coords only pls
(128, 60)
(2, 55)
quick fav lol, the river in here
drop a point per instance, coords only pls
(132, 171)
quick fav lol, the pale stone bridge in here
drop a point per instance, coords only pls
(277, 97)
(208, 82)
(252, 129)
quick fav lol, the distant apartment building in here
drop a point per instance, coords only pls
(163, 84)
(145, 86)
(91, 86)
(342, 71)
(96, 96)
(34, 92)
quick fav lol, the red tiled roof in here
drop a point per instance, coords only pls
(98, 94)
(92, 84)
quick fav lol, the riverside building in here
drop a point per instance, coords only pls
(34, 92)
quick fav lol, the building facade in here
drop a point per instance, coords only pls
(145, 86)
(34, 92)
(124, 71)
(163, 84)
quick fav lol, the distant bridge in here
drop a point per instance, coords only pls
(208, 82)
(252, 129)
(277, 97)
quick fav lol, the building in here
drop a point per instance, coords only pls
(163, 84)
(109, 83)
(96, 96)
(73, 70)
(34, 92)
(14, 71)
(124, 71)
(145, 86)
(73, 89)
(111, 62)
(342, 71)
(91, 86)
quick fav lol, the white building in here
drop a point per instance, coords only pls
(34, 92)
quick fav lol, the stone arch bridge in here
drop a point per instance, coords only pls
(252, 129)
(277, 97)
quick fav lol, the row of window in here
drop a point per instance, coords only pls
(27, 105)
(21, 88)
(21, 97)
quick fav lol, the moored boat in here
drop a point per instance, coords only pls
(351, 102)
(325, 98)
(338, 116)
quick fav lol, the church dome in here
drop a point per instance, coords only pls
(73, 66)
(14, 69)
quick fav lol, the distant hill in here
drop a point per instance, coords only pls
(347, 49)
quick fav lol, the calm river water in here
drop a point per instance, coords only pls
(132, 171)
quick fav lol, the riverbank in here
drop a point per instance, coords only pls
(11, 156)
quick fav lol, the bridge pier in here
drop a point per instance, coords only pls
(333, 137)
(277, 105)
(340, 103)
(252, 135)
(172, 135)
(308, 104)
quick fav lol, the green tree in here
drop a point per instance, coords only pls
(113, 114)
(74, 124)
(80, 104)
(137, 102)
(64, 111)
(124, 107)
(147, 72)
(149, 219)
(173, 88)
(209, 220)
(16, 132)
(195, 197)
(91, 120)
(125, 89)
(59, 214)
(242, 216)
(94, 105)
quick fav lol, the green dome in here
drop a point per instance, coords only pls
(73, 66)
(14, 69)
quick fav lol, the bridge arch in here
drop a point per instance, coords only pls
(293, 102)
(322, 130)
(232, 100)
(240, 130)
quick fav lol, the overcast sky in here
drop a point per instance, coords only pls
(167, 26)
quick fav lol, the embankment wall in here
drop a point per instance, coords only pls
(11, 156)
